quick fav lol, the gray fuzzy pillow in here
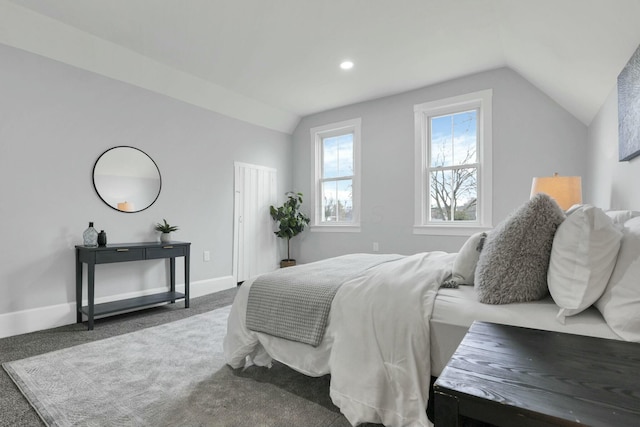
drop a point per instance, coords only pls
(514, 261)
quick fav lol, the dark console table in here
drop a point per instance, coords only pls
(511, 376)
(128, 252)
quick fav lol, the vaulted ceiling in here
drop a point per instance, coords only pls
(273, 61)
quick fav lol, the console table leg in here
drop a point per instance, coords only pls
(91, 270)
(78, 288)
(172, 276)
(186, 277)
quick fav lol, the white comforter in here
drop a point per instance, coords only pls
(376, 346)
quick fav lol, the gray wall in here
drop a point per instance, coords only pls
(55, 120)
(532, 136)
(612, 184)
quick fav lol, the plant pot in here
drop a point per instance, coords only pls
(165, 237)
(287, 263)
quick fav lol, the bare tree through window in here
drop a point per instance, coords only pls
(453, 167)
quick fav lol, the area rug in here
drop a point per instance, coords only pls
(169, 375)
(129, 379)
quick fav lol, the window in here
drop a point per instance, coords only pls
(336, 190)
(453, 164)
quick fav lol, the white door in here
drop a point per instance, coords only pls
(255, 246)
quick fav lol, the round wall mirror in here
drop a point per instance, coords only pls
(126, 179)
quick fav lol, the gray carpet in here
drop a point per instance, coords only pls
(256, 396)
(130, 379)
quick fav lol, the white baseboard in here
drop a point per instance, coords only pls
(37, 319)
(210, 286)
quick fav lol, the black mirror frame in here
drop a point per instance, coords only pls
(93, 172)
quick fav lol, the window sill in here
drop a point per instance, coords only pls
(335, 228)
(449, 230)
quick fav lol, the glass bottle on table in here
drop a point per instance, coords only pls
(90, 236)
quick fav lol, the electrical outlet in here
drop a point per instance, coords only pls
(376, 247)
(206, 256)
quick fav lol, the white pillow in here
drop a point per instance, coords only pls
(620, 302)
(464, 266)
(620, 217)
(583, 255)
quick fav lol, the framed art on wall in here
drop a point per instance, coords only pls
(629, 109)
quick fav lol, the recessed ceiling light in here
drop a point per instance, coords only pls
(346, 65)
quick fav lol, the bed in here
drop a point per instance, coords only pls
(392, 326)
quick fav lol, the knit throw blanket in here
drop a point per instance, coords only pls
(294, 302)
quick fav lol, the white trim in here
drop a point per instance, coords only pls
(254, 166)
(483, 101)
(443, 230)
(211, 286)
(335, 228)
(333, 129)
(237, 244)
(37, 319)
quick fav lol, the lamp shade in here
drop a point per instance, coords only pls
(565, 190)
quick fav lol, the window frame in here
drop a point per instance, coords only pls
(482, 102)
(317, 135)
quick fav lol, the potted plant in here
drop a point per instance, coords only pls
(291, 222)
(166, 230)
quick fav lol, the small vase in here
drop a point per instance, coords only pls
(90, 236)
(165, 237)
(102, 238)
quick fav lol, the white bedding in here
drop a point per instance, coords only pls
(376, 345)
